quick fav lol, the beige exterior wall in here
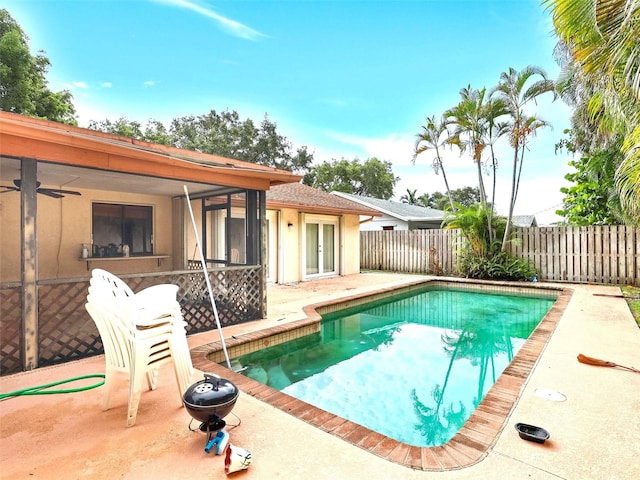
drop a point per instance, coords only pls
(290, 250)
(290, 247)
(350, 242)
(65, 224)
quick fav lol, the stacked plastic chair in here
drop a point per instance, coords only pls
(140, 332)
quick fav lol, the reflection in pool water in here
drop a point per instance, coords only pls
(412, 368)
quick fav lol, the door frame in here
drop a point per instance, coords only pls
(320, 220)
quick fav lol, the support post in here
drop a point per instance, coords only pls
(29, 264)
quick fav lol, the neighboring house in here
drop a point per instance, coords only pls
(312, 233)
(524, 221)
(395, 215)
(101, 196)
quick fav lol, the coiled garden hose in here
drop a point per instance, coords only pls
(40, 389)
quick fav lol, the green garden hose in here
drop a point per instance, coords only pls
(39, 389)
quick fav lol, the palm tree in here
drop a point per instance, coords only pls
(409, 197)
(470, 128)
(516, 92)
(432, 138)
(602, 37)
(494, 109)
(476, 128)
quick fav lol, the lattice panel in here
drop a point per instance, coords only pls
(236, 292)
(10, 314)
(67, 332)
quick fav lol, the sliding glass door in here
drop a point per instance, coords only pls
(320, 247)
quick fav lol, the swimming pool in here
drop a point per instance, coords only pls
(412, 367)
(472, 442)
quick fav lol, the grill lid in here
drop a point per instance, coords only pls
(211, 392)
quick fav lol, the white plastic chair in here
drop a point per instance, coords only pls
(153, 302)
(138, 337)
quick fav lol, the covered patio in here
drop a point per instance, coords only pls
(74, 199)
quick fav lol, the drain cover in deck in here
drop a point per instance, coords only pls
(550, 395)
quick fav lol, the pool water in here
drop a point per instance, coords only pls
(413, 368)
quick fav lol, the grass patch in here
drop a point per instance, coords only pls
(632, 295)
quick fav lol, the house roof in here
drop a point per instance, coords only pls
(309, 199)
(401, 211)
(524, 221)
(64, 153)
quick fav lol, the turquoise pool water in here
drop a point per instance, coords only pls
(412, 368)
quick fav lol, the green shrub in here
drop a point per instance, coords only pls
(499, 266)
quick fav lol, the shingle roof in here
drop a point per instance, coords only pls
(524, 221)
(311, 199)
(402, 211)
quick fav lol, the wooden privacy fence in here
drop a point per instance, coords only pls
(594, 254)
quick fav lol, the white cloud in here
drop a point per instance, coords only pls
(150, 83)
(334, 102)
(85, 112)
(396, 148)
(107, 84)
(74, 85)
(232, 27)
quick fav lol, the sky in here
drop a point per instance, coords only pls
(347, 79)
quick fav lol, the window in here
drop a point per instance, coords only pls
(388, 228)
(115, 226)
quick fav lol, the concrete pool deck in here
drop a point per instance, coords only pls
(595, 433)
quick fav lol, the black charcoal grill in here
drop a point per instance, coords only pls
(210, 400)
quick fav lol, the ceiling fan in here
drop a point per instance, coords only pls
(50, 192)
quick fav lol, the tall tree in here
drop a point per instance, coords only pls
(224, 134)
(592, 199)
(465, 196)
(434, 136)
(470, 129)
(516, 90)
(373, 178)
(23, 84)
(601, 37)
(476, 126)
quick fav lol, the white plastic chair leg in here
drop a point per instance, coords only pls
(182, 365)
(152, 378)
(109, 380)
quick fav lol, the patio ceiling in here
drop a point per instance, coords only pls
(71, 178)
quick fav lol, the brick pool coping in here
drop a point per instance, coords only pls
(468, 446)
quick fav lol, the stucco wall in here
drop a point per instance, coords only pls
(291, 253)
(65, 224)
(350, 238)
(290, 247)
(378, 223)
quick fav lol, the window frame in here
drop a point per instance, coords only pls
(143, 248)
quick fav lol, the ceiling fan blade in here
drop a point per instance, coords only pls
(59, 191)
(68, 192)
(9, 189)
(49, 193)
